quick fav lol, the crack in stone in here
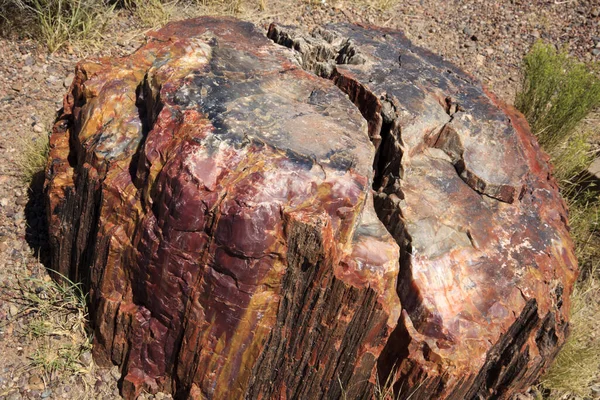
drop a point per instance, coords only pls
(321, 53)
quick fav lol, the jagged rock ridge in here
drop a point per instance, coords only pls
(216, 199)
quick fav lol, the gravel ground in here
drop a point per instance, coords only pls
(486, 38)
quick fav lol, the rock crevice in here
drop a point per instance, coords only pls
(454, 131)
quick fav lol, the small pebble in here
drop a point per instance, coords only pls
(37, 128)
(46, 393)
(14, 396)
(13, 310)
(596, 52)
(68, 80)
(115, 373)
(35, 383)
(86, 358)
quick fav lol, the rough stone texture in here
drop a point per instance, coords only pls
(216, 198)
(219, 198)
(487, 264)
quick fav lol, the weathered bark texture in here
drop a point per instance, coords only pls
(217, 198)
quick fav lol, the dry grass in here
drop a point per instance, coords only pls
(379, 5)
(585, 230)
(155, 13)
(227, 7)
(571, 157)
(151, 13)
(55, 321)
(33, 156)
(578, 363)
(381, 390)
(56, 22)
(385, 390)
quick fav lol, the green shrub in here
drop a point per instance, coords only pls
(557, 93)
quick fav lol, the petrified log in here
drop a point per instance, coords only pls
(246, 233)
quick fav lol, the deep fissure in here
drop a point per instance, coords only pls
(385, 133)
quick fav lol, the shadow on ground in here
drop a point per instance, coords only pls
(36, 233)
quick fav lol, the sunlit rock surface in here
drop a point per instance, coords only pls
(217, 198)
(246, 233)
(487, 264)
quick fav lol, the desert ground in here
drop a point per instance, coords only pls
(44, 340)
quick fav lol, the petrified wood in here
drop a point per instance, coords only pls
(258, 222)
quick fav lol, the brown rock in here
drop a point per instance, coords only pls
(35, 383)
(217, 200)
(487, 264)
(594, 169)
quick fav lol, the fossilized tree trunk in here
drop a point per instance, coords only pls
(257, 222)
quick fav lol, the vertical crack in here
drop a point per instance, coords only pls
(385, 134)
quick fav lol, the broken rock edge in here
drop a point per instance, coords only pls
(504, 361)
